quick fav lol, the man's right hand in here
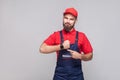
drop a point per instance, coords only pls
(66, 44)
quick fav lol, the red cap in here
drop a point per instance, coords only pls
(71, 11)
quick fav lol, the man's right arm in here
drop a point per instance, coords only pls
(44, 48)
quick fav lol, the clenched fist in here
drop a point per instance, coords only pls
(66, 44)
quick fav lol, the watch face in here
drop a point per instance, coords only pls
(61, 46)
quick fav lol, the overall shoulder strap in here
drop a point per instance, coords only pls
(61, 37)
(76, 40)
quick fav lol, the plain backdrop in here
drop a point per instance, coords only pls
(25, 24)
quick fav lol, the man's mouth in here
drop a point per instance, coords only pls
(67, 24)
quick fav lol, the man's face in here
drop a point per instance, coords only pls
(68, 22)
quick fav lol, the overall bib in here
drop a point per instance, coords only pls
(68, 68)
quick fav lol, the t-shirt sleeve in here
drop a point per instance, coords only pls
(50, 40)
(86, 46)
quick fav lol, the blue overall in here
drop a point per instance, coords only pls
(68, 68)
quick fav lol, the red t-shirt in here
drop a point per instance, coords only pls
(83, 43)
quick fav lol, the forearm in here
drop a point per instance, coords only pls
(44, 48)
(86, 57)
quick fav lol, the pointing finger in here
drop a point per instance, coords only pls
(71, 51)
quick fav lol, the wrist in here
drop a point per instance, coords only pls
(81, 56)
(61, 46)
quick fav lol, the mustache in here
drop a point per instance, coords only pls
(67, 23)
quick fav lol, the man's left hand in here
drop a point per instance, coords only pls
(75, 54)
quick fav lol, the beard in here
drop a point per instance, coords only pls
(68, 26)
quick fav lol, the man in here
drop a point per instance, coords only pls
(71, 46)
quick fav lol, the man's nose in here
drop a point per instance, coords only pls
(68, 20)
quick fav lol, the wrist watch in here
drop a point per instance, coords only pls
(61, 46)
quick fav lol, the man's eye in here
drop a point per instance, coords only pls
(72, 19)
(65, 17)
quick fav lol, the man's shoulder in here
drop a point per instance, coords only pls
(81, 33)
(55, 33)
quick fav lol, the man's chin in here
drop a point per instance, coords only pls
(67, 29)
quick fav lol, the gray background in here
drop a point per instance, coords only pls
(24, 24)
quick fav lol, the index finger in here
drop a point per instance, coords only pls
(69, 50)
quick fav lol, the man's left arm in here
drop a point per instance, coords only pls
(81, 56)
(86, 57)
